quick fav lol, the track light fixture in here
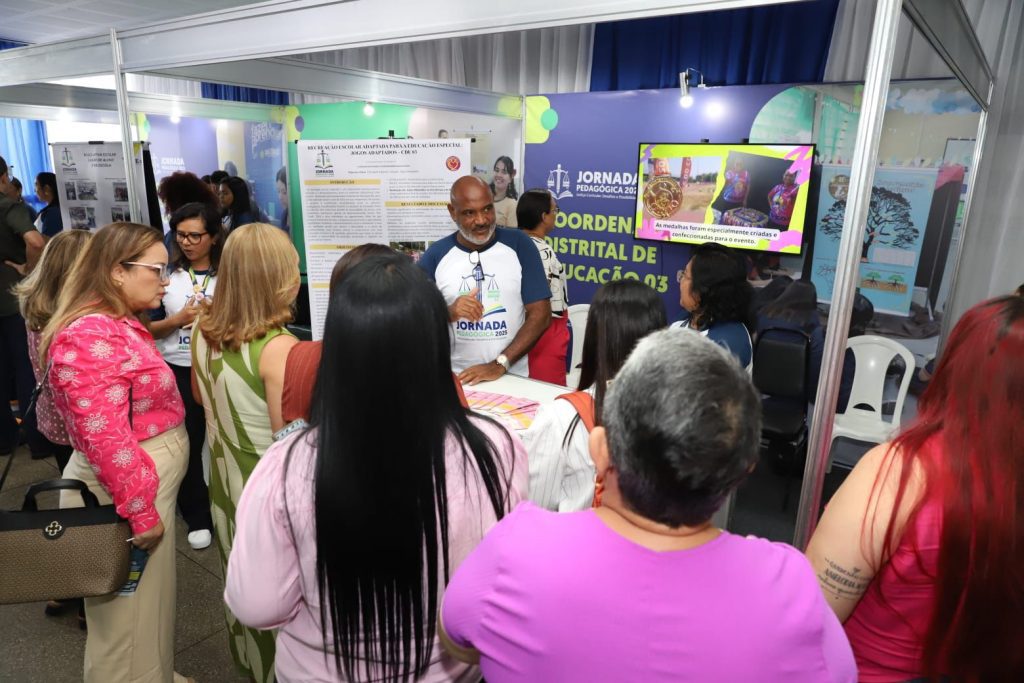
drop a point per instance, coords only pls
(685, 98)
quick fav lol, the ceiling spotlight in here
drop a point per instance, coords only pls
(368, 109)
(685, 98)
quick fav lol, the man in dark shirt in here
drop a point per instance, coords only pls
(20, 248)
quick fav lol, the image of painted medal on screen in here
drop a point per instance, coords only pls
(750, 179)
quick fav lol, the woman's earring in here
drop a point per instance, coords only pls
(598, 490)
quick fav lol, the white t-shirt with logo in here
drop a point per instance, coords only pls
(556, 276)
(176, 348)
(507, 273)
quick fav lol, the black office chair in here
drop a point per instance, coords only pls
(782, 359)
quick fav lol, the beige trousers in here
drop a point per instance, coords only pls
(131, 638)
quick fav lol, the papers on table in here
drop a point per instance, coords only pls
(515, 413)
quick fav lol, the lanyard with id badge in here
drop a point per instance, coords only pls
(198, 295)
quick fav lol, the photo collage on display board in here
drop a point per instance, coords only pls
(91, 177)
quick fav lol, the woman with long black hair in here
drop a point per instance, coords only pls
(622, 313)
(348, 530)
(503, 185)
(50, 222)
(235, 203)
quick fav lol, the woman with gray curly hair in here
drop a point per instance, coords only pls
(645, 587)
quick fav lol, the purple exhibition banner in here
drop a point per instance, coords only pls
(188, 145)
(583, 148)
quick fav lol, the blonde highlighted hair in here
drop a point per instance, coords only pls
(38, 293)
(257, 281)
(89, 287)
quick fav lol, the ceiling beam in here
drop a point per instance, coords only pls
(302, 76)
(946, 26)
(289, 27)
(68, 59)
(50, 102)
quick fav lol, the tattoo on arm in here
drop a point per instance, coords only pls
(842, 582)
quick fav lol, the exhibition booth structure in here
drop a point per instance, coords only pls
(865, 187)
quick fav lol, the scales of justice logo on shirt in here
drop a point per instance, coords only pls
(488, 293)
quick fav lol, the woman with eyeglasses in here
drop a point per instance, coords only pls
(715, 296)
(124, 417)
(195, 255)
(536, 213)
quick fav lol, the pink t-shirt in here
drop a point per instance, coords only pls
(888, 626)
(98, 364)
(271, 580)
(561, 597)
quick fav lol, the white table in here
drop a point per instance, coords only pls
(521, 387)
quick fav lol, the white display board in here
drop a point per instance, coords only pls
(386, 191)
(92, 185)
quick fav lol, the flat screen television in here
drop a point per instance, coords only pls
(743, 196)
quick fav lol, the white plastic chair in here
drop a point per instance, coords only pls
(874, 355)
(578, 319)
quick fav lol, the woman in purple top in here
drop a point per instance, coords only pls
(348, 530)
(644, 588)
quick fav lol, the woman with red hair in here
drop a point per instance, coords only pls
(921, 551)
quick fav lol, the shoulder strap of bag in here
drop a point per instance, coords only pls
(583, 402)
(28, 409)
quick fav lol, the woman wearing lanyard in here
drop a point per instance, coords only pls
(195, 254)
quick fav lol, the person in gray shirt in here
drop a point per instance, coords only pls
(20, 248)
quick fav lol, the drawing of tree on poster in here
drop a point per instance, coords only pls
(889, 221)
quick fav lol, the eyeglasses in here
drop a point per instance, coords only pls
(681, 275)
(162, 270)
(189, 237)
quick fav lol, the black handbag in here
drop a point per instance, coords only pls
(63, 553)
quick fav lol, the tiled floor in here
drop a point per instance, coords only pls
(36, 648)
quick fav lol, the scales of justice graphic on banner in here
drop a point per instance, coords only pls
(890, 251)
(385, 191)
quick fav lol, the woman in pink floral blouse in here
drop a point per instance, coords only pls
(123, 414)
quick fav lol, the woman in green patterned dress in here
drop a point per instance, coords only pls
(239, 351)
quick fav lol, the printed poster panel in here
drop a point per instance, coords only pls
(386, 191)
(91, 180)
(263, 160)
(900, 201)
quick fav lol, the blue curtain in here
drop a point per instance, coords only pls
(238, 93)
(23, 145)
(773, 44)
